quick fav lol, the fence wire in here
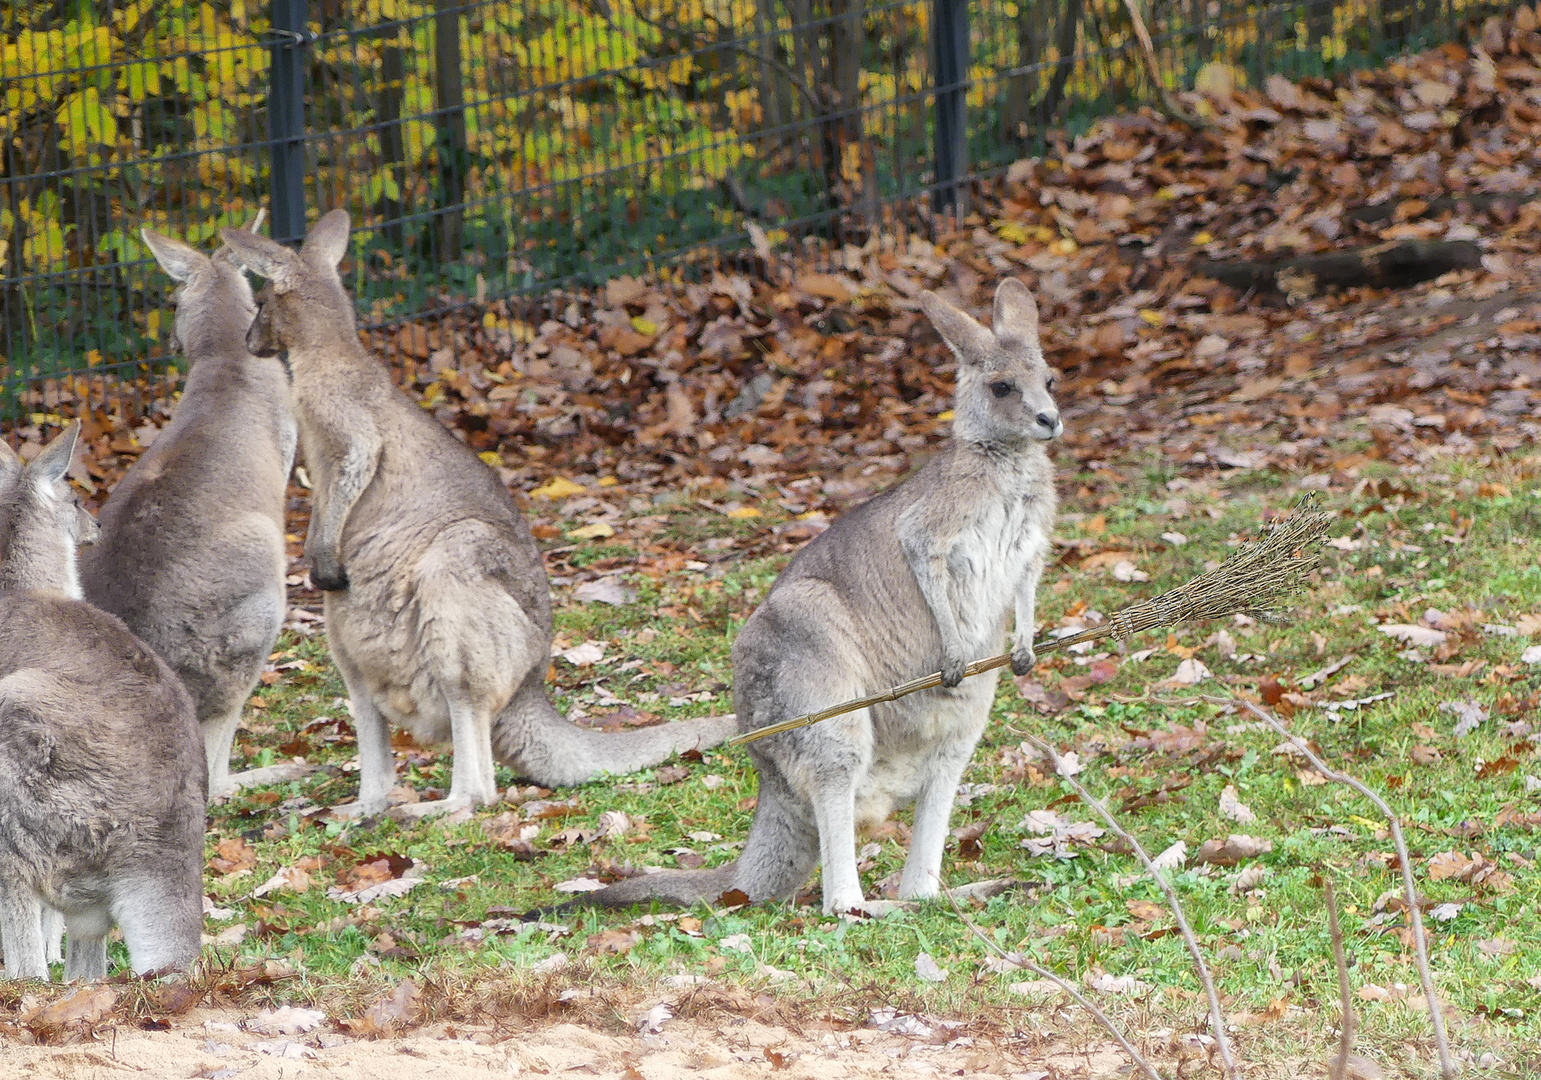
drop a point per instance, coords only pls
(493, 150)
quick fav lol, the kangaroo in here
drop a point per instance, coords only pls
(920, 578)
(438, 612)
(192, 551)
(101, 786)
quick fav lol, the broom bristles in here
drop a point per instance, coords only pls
(1255, 580)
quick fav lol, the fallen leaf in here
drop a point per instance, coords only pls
(653, 1020)
(287, 1020)
(1444, 912)
(1190, 672)
(597, 530)
(558, 487)
(927, 970)
(1450, 864)
(968, 837)
(586, 655)
(1413, 634)
(289, 878)
(77, 1010)
(579, 885)
(1232, 849)
(233, 855)
(1173, 858)
(1469, 714)
(1232, 807)
(615, 941)
(605, 591)
(396, 1009)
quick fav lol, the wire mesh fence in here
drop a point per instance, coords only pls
(498, 150)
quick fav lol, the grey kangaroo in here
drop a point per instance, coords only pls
(438, 612)
(102, 786)
(192, 556)
(923, 577)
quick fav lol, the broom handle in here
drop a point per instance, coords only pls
(925, 682)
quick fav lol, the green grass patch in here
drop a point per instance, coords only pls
(1452, 548)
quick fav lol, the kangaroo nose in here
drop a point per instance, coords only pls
(1048, 419)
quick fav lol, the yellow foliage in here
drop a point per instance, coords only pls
(558, 487)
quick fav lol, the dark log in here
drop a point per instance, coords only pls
(1391, 265)
(1384, 212)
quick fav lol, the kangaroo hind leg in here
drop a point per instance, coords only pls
(21, 931)
(85, 952)
(473, 781)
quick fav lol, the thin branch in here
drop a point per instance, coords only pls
(1047, 107)
(1255, 580)
(1043, 972)
(1169, 103)
(708, 42)
(1414, 915)
(1216, 1017)
(1338, 1070)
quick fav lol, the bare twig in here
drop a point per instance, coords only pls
(1414, 915)
(1216, 1017)
(1255, 580)
(1043, 972)
(1338, 1070)
(1169, 102)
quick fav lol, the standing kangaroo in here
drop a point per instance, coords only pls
(920, 578)
(438, 612)
(101, 786)
(192, 550)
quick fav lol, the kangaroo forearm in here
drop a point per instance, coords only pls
(1027, 603)
(354, 476)
(931, 576)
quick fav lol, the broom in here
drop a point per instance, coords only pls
(1255, 580)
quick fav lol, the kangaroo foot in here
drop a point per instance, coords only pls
(423, 810)
(874, 909)
(271, 774)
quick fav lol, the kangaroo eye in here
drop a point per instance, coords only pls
(1051, 383)
(1001, 389)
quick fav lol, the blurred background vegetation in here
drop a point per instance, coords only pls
(497, 149)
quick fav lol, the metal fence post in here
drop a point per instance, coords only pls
(950, 56)
(450, 120)
(286, 119)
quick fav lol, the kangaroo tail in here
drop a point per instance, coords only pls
(680, 888)
(780, 854)
(532, 738)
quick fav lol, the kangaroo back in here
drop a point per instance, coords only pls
(101, 786)
(41, 519)
(924, 577)
(192, 553)
(437, 605)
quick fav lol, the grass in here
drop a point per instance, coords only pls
(1455, 537)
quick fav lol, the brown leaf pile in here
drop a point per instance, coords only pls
(806, 376)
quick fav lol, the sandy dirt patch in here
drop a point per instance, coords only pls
(219, 1045)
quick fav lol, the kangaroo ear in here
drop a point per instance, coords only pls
(1016, 313)
(54, 462)
(970, 342)
(263, 257)
(11, 465)
(225, 255)
(327, 243)
(175, 257)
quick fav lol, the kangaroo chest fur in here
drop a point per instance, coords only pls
(993, 552)
(987, 563)
(988, 525)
